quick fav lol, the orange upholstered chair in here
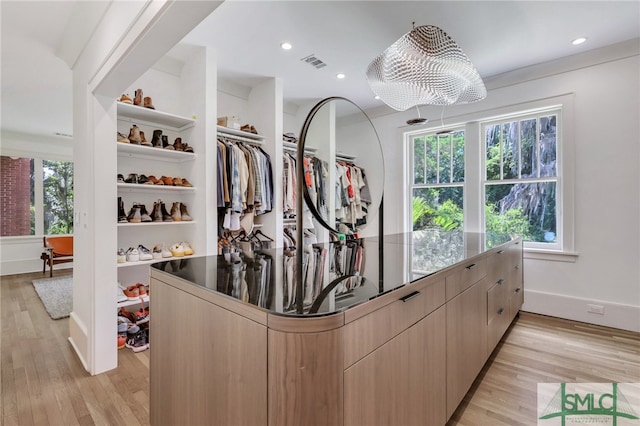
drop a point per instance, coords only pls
(56, 250)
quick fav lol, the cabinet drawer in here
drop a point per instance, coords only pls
(465, 276)
(371, 331)
(497, 303)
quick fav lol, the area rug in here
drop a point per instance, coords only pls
(56, 295)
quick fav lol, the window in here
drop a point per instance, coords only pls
(437, 161)
(36, 207)
(521, 177)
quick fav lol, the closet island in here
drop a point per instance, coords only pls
(398, 340)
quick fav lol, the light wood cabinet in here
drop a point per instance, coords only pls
(466, 341)
(403, 381)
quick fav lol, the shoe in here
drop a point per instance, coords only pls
(154, 180)
(122, 138)
(132, 292)
(157, 139)
(144, 141)
(133, 255)
(141, 316)
(143, 179)
(157, 251)
(166, 217)
(122, 257)
(120, 178)
(156, 213)
(126, 317)
(177, 145)
(166, 253)
(246, 128)
(125, 99)
(122, 217)
(187, 148)
(138, 98)
(165, 143)
(142, 289)
(144, 215)
(186, 183)
(175, 212)
(167, 180)
(177, 250)
(132, 178)
(185, 216)
(134, 135)
(121, 297)
(253, 130)
(144, 253)
(122, 340)
(134, 215)
(138, 342)
(177, 181)
(147, 103)
(188, 251)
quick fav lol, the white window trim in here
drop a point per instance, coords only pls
(474, 220)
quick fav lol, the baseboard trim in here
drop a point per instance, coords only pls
(616, 315)
(78, 337)
(25, 266)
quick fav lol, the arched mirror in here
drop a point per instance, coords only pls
(344, 167)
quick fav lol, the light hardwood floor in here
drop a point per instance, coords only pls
(44, 383)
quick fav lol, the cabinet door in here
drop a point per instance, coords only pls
(498, 318)
(466, 341)
(402, 382)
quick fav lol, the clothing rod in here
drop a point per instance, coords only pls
(346, 157)
(239, 138)
(306, 151)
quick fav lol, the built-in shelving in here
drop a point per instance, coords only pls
(152, 153)
(139, 300)
(149, 262)
(183, 222)
(137, 114)
(136, 187)
(234, 132)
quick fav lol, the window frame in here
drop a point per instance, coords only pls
(557, 179)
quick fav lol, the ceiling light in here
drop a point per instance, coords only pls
(286, 45)
(425, 66)
(578, 41)
(340, 76)
(376, 97)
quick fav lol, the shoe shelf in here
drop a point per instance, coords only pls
(152, 153)
(149, 262)
(180, 222)
(136, 114)
(136, 187)
(126, 303)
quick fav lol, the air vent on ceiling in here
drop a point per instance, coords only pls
(314, 61)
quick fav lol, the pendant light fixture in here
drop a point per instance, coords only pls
(425, 66)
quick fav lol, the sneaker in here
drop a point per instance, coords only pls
(177, 250)
(122, 257)
(157, 251)
(132, 293)
(144, 253)
(144, 215)
(138, 342)
(188, 251)
(142, 289)
(141, 316)
(122, 340)
(132, 255)
(166, 253)
(121, 297)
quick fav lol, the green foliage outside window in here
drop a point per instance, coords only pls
(58, 197)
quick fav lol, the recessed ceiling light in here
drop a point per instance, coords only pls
(578, 41)
(286, 45)
(376, 97)
(340, 76)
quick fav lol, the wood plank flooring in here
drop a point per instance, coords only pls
(44, 383)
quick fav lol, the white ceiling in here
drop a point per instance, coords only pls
(497, 36)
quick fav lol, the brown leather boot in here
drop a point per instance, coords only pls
(143, 140)
(147, 103)
(137, 100)
(184, 213)
(157, 139)
(177, 145)
(175, 212)
(134, 135)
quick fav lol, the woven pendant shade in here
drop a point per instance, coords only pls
(425, 66)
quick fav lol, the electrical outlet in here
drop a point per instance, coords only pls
(596, 309)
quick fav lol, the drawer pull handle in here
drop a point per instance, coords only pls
(410, 296)
(518, 290)
(517, 267)
(500, 251)
(470, 267)
(500, 311)
(500, 281)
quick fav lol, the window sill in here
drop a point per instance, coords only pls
(552, 255)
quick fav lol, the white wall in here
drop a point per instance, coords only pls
(607, 189)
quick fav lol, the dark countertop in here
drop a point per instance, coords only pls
(257, 276)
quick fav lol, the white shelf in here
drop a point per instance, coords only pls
(290, 146)
(234, 132)
(148, 152)
(134, 113)
(147, 224)
(149, 262)
(125, 303)
(137, 187)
